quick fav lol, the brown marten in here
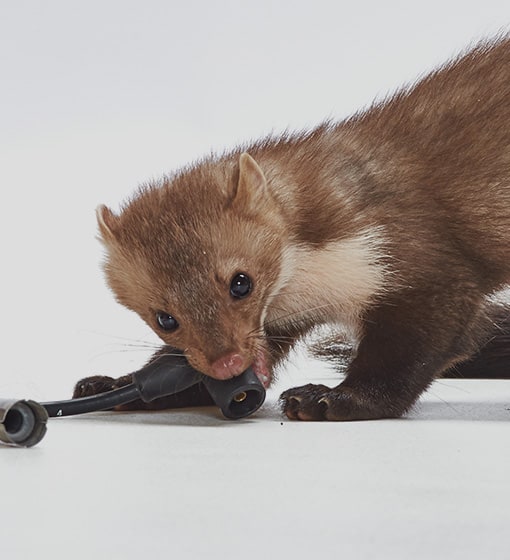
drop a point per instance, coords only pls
(392, 227)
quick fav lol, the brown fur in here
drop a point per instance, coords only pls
(395, 223)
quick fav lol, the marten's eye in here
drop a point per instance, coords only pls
(166, 321)
(240, 286)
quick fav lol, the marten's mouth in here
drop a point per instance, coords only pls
(261, 369)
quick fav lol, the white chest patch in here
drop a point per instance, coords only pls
(334, 284)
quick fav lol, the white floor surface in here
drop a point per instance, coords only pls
(189, 484)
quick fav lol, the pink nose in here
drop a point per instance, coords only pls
(227, 366)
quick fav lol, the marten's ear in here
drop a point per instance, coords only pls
(107, 222)
(251, 191)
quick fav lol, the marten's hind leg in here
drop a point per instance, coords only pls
(492, 359)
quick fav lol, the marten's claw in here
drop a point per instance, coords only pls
(93, 386)
(303, 403)
(318, 402)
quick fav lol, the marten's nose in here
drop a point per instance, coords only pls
(227, 366)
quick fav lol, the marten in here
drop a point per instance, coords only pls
(391, 227)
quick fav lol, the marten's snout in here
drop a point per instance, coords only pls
(228, 366)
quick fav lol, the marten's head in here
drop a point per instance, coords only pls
(199, 258)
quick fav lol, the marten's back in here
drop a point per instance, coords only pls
(444, 144)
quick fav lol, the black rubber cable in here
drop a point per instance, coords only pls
(166, 375)
(23, 422)
(94, 403)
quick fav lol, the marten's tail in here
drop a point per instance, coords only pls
(492, 361)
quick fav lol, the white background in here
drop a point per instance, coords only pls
(97, 97)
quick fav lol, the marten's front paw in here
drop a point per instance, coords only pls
(318, 402)
(93, 386)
